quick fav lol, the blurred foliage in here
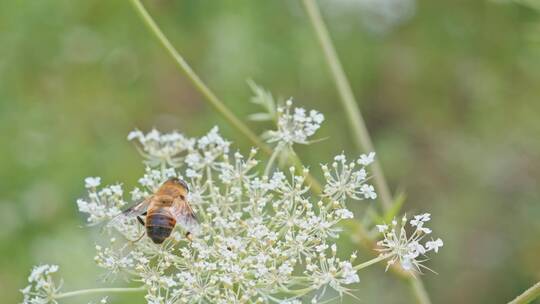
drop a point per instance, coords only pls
(450, 94)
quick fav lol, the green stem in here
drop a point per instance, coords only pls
(360, 133)
(97, 290)
(371, 262)
(195, 80)
(419, 290)
(527, 296)
(310, 180)
(297, 292)
(209, 95)
(272, 159)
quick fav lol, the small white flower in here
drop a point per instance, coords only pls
(366, 159)
(368, 191)
(344, 214)
(162, 148)
(349, 274)
(92, 182)
(420, 219)
(434, 245)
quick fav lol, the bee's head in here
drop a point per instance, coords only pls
(177, 181)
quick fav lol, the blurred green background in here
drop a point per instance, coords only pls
(450, 91)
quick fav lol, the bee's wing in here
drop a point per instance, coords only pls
(185, 216)
(136, 209)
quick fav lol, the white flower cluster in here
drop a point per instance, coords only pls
(42, 288)
(262, 238)
(408, 251)
(256, 231)
(103, 204)
(345, 180)
(331, 271)
(161, 148)
(295, 125)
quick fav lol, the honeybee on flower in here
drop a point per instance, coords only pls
(263, 237)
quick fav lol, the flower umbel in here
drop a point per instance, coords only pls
(295, 125)
(407, 251)
(161, 148)
(42, 288)
(348, 179)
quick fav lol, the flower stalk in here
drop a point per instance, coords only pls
(528, 296)
(195, 79)
(371, 262)
(419, 290)
(81, 292)
(209, 94)
(360, 133)
(272, 160)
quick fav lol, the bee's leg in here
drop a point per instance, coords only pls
(139, 238)
(142, 223)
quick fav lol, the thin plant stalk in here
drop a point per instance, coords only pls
(98, 290)
(528, 296)
(272, 159)
(371, 262)
(209, 95)
(195, 80)
(360, 133)
(419, 290)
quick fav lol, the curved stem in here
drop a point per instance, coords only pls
(209, 95)
(527, 296)
(97, 290)
(360, 133)
(195, 80)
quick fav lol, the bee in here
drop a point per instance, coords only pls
(163, 210)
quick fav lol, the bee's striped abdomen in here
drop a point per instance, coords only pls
(159, 225)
